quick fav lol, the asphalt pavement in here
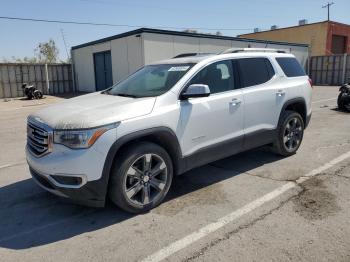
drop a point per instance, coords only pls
(255, 206)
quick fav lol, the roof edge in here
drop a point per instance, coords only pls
(288, 27)
(178, 33)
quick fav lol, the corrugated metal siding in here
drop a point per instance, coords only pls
(330, 70)
(126, 56)
(12, 75)
(131, 52)
(159, 47)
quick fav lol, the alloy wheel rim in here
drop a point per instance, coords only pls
(145, 179)
(292, 134)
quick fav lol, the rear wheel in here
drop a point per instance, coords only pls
(344, 102)
(141, 178)
(290, 133)
(38, 94)
(340, 102)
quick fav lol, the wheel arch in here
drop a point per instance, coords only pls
(162, 136)
(298, 105)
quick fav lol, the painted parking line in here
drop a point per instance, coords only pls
(23, 107)
(11, 165)
(221, 222)
(324, 100)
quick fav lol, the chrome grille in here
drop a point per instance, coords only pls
(39, 137)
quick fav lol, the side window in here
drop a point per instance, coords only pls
(218, 76)
(255, 71)
(290, 66)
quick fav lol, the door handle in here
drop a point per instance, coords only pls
(280, 93)
(235, 102)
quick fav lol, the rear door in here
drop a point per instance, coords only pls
(103, 70)
(263, 97)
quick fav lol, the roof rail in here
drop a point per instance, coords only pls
(236, 50)
(191, 54)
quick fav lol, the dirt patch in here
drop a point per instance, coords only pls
(209, 195)
(315, 202)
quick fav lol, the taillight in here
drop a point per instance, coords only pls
(310, 81)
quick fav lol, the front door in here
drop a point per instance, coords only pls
(103, 70)
(213, 124)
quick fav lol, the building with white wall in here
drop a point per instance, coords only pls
(101, 63)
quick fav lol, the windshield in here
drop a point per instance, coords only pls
(151, 80)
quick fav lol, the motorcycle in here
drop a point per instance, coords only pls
(344, 98)
(31, 92)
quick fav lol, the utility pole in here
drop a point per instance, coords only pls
(65, 44)
(328, 5)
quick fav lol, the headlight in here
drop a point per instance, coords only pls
(82, 138)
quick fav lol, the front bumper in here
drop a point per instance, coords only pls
(92, 193)
(56, 171)
(308, 118)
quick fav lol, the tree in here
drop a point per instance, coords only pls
(47, 52)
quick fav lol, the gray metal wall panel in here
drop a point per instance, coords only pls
(134, 53)
(119, 53)
(84, 69)
(131, 52)
(159, 47)
(13, 75)
(329, 70)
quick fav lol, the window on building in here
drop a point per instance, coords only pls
(338, 44)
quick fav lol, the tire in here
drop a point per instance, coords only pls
(38, 94)
(290, 133)
(340, 102)
(30, 96)
(133, 186)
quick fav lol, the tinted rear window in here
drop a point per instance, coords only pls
(255, 71)
(290, 66)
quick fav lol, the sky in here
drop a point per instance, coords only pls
(19, 38)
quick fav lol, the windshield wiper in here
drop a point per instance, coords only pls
(125, 95)
(106, 92)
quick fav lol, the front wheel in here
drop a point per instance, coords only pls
(30, 95)
(141, 177)
(290, 133)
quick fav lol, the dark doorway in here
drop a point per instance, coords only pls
(103, 70)
(338, 44)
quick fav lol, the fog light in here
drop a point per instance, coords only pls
(67, 180)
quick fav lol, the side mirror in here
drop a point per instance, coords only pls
(195, 90)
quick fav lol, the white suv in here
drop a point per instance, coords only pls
(168, 117)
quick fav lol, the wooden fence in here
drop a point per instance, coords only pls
(51, 79)
(330, 70)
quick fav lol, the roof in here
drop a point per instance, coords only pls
(183, 60)
(178, 33)
(199, 58)
(295, 26)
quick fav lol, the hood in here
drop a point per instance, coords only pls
(93, 110)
